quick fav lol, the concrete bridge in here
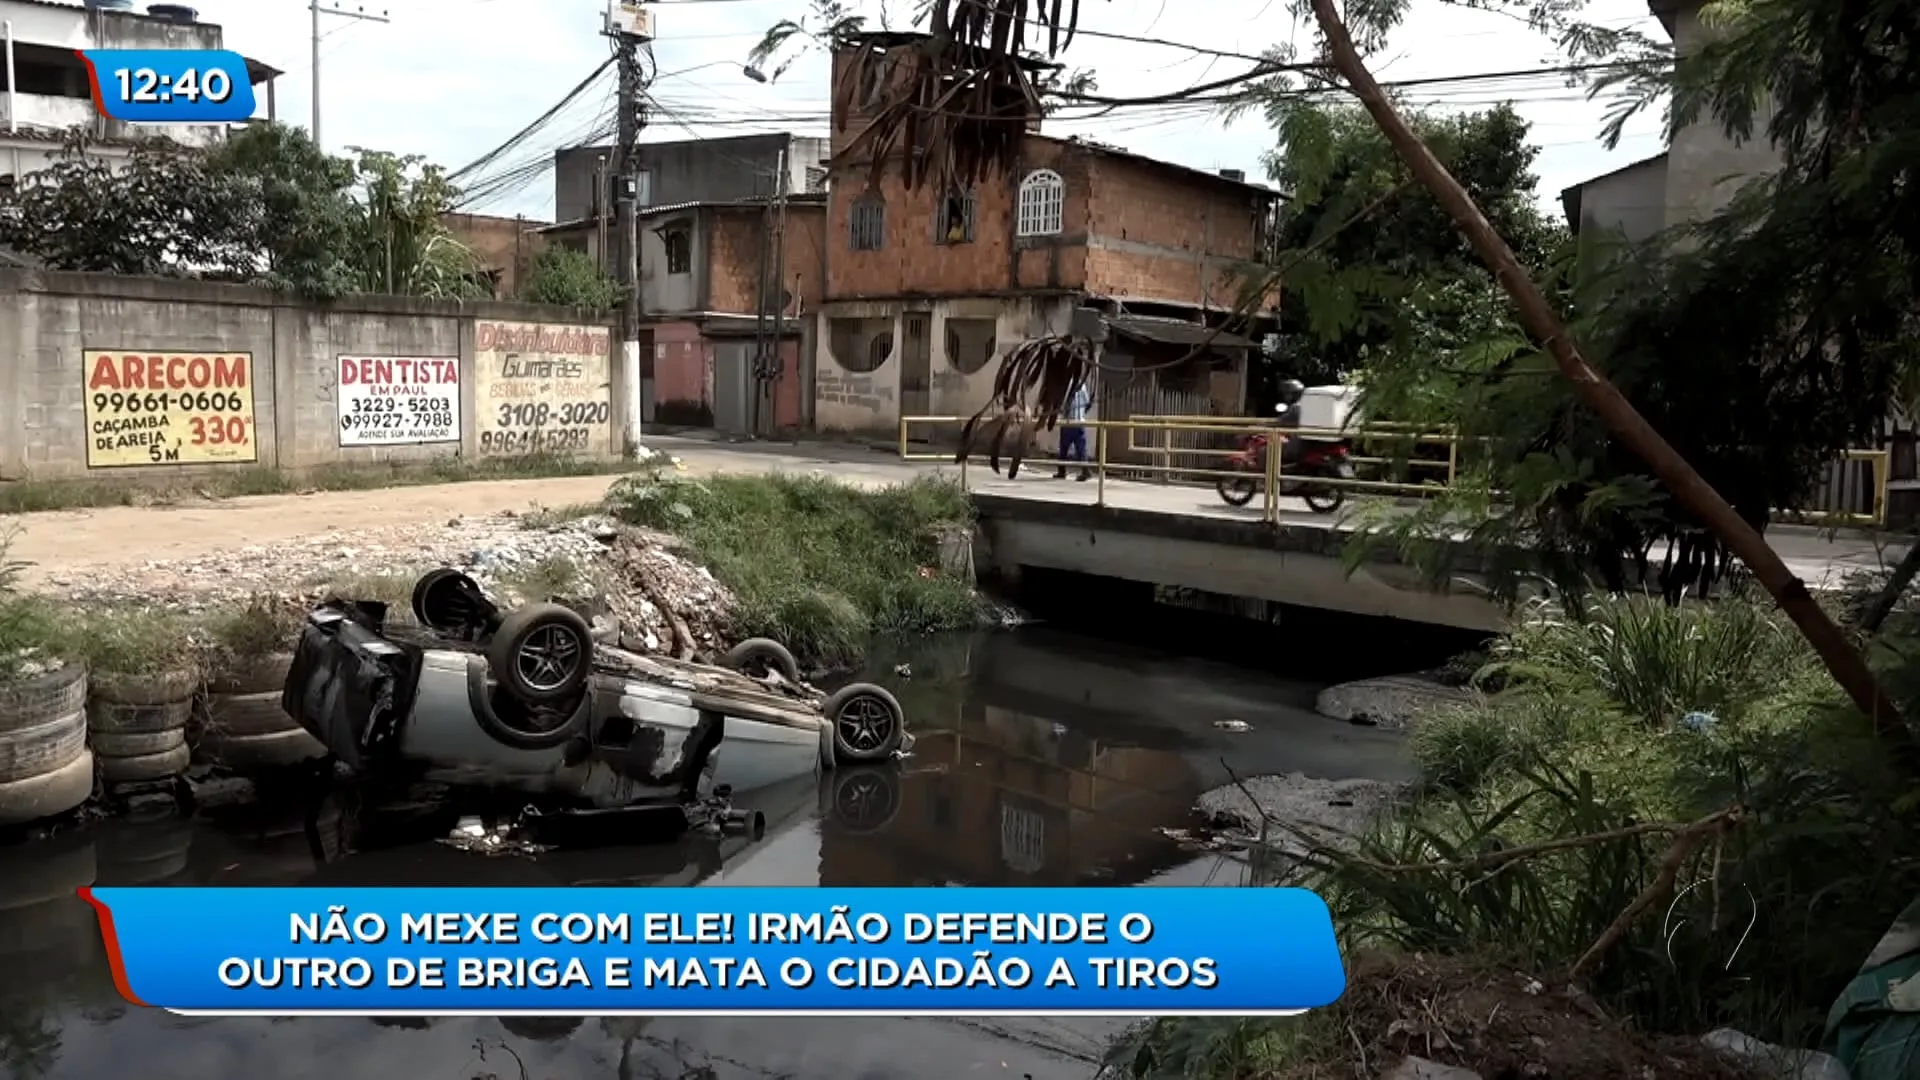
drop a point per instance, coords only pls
(1183, 536)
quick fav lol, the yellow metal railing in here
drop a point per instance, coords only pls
(1158, 445)
(1100, 461)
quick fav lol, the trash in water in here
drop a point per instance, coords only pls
(1232, 725)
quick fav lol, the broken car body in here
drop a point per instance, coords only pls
(527, 703)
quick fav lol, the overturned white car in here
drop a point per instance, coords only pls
(527, 703)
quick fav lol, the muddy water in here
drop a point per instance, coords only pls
(1044, 759)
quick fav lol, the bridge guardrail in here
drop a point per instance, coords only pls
(1161, 428)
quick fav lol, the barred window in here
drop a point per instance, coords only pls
(1042, 205)
(868, 228)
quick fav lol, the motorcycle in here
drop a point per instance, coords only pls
(1298, 471)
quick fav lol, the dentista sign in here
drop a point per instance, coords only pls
(398, 400)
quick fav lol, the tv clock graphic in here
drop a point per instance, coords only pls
(170, 86)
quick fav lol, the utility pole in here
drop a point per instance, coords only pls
(357, 15)
(779, 279)
(630, 25)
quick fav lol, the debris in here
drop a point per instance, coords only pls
(905, 671)
(1232, 725)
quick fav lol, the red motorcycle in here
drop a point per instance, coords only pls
(1298, 472)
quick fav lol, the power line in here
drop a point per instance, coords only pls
(540, 121)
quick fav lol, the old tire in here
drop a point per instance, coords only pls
(37, 700)
(144, 853)
(868, 723)
(49, 794)
(450, 602)
(262, 752)
(44, 748)
(158, 688)
(132, 770)
(239, 715)
(116, 718)
(542, 654)
(132, 744)
(758, 656)
(251, 675)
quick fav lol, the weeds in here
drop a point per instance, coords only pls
(814, 563)
(555, 576)
(1637, 715)
(262, 626)
(129, 642)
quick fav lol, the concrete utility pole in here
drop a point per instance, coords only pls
(358, 15)
(779, 281)
(630, 25)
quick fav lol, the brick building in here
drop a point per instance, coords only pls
(925, 288)
(709, 314)
(505, 247)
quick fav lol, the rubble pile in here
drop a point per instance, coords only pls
(660, 602)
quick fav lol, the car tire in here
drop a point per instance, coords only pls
(35, 701)
(868, 723)
(755, 656)
(864, 800)
(450, 602)
(542, 654)
(147, 767)
(44, 748)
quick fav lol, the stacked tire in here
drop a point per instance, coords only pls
(243, 728)
(45, 768)
(137, 725)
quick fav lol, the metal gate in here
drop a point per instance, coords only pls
(732, 388)
(916, 364)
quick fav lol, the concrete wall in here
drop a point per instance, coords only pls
(852, 395)
(1705, 168)
(661, 291)
(1631, 200)
(72, 342)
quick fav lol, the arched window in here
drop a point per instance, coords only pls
(1043, 203)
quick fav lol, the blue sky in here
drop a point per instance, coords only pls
(452, 79)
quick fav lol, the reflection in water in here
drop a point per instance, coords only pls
(1042, 760)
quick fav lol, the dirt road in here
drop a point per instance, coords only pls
(65, 544)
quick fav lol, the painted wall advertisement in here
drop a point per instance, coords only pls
(168, 408)
(542, 388)
(398, 400)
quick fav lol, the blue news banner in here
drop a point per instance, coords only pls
(1111, 952)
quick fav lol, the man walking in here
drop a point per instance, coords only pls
(1073, 436)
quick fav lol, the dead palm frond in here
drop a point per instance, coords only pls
(1045, 370)
(956, 104)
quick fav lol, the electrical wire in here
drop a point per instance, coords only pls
(539, 122)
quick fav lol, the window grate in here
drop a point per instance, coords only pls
(1042, 204)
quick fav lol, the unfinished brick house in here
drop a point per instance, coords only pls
(925, 289)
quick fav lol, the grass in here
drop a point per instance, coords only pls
(36, 496)
(816, 564)
(1641, 713)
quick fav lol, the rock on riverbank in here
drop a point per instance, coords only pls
(1333, 811)
(1394, 701)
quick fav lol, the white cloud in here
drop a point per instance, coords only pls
(451, 79)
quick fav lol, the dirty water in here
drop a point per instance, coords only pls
(1044, 759)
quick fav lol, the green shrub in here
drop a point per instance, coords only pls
(816, 564)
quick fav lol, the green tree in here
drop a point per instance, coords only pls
(264, 207)
(163, 212)
(561, 275)
(1378, 281)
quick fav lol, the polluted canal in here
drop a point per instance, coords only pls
(1044, 758)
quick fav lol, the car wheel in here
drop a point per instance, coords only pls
(868, 723)
(542, 653)
(450, 602)
(865, 800)
(760, 656)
